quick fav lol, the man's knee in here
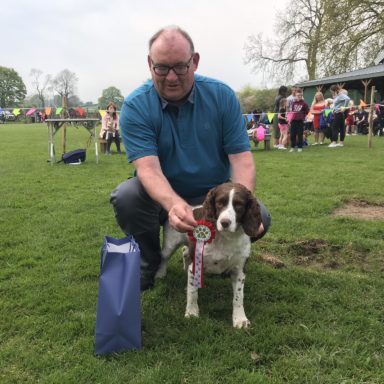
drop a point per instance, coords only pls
(125, 194)
(135, 210)
(265, 219)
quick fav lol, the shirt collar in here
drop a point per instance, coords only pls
(190, 98)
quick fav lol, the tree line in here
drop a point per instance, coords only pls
(319, 38)
(62, 87)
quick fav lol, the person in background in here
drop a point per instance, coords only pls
(380, 115)
(291, 98)
(300, 110)
(283, 124)
(317, 108)
(361, 121)
(110, 128)
(282, 93)
(340, 103)
(184, 134)
(350, 120)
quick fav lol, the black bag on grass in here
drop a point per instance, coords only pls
(76, 156)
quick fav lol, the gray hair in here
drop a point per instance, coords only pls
(171, 28)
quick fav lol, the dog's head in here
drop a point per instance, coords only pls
(231, 205)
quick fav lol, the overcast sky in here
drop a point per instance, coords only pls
(105, 43)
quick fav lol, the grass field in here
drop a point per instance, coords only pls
(317, 319)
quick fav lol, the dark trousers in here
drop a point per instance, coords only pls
(110, 139)
(297, 130)
(338, 126)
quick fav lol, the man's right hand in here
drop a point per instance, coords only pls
(181, 218)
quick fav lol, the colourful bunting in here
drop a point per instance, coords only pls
(81, 111)
(31, 112)
(48, 110)
(102, 113)
(58, 110)
(249, 117)
(362, 103)
(327, 112)
(270, 116)
(16, 111)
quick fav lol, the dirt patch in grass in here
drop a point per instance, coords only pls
(272, 260)
(361, 209)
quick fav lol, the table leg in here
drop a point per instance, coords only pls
(64, 138)
(96, 147)
(51, 149)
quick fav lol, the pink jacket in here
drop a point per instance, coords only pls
(109, 125)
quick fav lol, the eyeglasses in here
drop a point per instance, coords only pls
(179, 69)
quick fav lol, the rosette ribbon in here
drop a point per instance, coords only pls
(202, 234)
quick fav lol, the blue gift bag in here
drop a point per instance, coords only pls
(118, 318)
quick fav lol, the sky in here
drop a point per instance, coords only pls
(105, 43)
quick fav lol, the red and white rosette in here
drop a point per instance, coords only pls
(202, 234)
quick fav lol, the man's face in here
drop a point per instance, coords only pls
(169, 50)
(299, 96)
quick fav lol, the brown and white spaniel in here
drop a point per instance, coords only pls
(235, 213)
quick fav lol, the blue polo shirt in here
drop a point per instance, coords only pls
(192, 141)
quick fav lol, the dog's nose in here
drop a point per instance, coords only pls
(225, 223)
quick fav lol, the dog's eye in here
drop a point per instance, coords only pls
(238, 206)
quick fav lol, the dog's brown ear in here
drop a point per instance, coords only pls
(252, 217)
(209, 208)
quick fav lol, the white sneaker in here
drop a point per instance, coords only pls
(276, 146)
(339, 145)
(321, 143)
(299, 149)
(291, 150)
(332, 145)
(282, 147)
(315, 143)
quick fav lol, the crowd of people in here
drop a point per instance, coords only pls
(333, 119)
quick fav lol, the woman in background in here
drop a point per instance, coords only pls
(317, 108)
(110, 128)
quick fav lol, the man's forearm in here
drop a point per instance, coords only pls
(243, 169)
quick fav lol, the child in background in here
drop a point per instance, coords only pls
(283, 124)
(300, 110)
(350, 120)
(328, 118)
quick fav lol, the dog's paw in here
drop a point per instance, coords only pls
(241, 322)
(192, 312)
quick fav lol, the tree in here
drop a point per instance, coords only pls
(358, 39)
(65, 85)
(40, 85)
(251, 98)
(12, 88)
(111, 94)
(318, 38)
(74, 101)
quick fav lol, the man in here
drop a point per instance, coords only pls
(185, 134)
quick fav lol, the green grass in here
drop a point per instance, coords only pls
(320, 319)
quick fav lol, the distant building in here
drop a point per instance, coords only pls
(353, 82)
